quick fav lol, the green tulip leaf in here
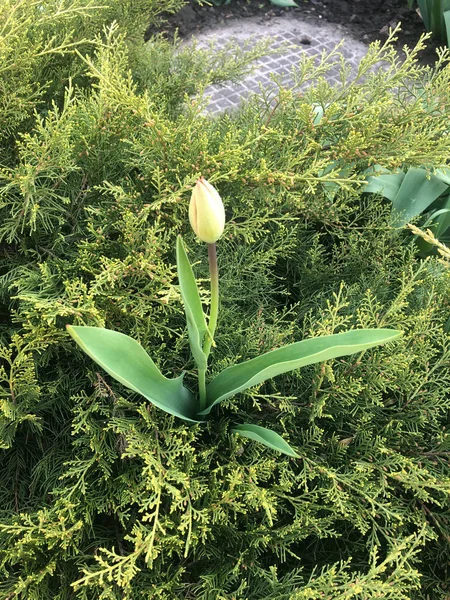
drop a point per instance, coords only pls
(411, 193)
(242, 376)
(265, 436)
(417, 191)
(386, 184)
(443, 173)
(439, 223)
(195, 317)
(124, 359)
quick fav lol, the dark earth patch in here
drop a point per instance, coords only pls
(366, 20)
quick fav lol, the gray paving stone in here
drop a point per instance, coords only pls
(295, 39)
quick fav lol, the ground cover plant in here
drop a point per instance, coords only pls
(104, 496)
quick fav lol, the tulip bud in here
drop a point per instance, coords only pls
(206, 212)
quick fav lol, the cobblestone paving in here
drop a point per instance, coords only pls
(298, 36)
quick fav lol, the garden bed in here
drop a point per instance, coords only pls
(365, 20)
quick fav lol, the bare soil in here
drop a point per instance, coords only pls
(367, 20)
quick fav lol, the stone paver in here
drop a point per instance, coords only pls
(297, 37)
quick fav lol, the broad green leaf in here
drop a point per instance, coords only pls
(437, 9)
(417, 191)
(387, 184)
(411, 193)
(438, 223)
(195, 317)
(447, 26)
(424, 13)
(245, 375)
(436, 20)
(265, 436)
(283, 3)
(124, 359)
(444, 173)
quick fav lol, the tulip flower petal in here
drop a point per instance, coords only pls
(206, 212)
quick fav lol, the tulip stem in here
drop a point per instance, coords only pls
(212, 322)
(202, 387)
(214, 309)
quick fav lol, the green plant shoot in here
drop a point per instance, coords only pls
(127, 362)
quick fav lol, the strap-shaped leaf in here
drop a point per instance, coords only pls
(386, 184)
(425, 13)
(411, 193)
(439, 223)
(124, 359)
(447, 25)
(417, 191)
(443, 173)
(265, 436)
(242, 376)
(195, 317)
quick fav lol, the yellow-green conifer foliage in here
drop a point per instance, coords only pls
(103, 496)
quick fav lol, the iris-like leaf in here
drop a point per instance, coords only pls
(265, 436)
(124, 359)
(245, 375)
(436, 17)
(195, 317)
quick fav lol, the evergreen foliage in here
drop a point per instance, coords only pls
(103, 496)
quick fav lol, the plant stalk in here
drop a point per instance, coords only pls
(214, 309)
(202, 388)
(212, 322)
